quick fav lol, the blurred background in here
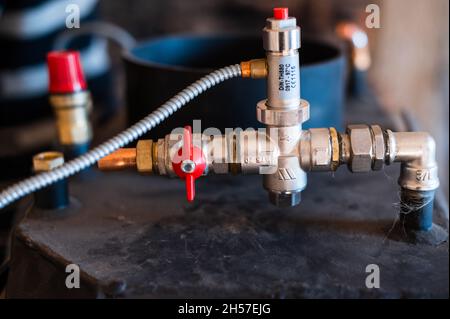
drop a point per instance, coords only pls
(409, 53)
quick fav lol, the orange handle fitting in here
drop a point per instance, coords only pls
(189, 163)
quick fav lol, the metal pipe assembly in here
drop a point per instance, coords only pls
(283, 152)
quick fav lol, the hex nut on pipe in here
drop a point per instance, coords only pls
(47, 161)
(285, 117)
(144, 156)
(360, 148)
(379, 146)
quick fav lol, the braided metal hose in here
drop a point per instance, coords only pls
(34, 183)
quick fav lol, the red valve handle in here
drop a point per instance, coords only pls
(189, 163)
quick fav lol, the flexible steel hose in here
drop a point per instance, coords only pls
(34, 183)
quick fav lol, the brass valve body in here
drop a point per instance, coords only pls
(72, 117)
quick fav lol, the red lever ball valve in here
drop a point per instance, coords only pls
(189, 163)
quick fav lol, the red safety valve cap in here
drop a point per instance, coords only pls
(65, 72)
(280, 13)
(189, 163)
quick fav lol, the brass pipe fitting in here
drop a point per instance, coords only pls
(47, 161)
(55, 195)
(72, 117)
(255, 69)
(143, 158)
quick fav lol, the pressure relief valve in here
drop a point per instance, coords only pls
(71, 102)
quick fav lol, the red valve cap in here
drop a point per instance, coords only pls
(280, 13)
(65, 73)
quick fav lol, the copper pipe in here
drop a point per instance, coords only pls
(120, 159)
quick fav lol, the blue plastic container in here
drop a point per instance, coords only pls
(159, 68)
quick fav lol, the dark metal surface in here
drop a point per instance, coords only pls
(136, 236)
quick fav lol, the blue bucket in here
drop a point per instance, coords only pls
(157, 69)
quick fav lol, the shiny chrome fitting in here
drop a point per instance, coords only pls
(282, 117)
(281, 35)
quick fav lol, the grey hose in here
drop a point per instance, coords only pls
(32, 184)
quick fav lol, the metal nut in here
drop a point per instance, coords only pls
(360, 148)
(321, 151)
(379, 146)
(144, 156)
(47, 161)
(281, 35)
(284, 117)
(285, 199)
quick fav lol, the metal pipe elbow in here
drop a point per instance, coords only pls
(417, 153)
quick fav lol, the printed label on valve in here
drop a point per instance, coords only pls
(288, 77)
